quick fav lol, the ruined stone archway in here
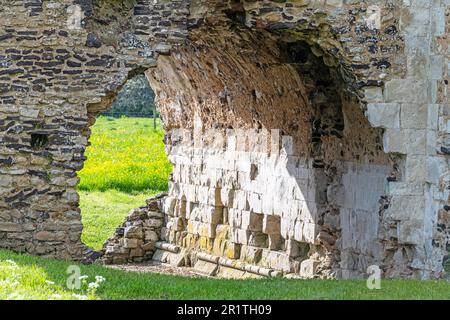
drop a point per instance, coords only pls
(60, 71)
(276, 209)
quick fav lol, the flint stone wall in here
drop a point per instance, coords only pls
(357, 175)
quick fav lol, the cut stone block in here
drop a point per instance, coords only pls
(308, 268)
(271, 224)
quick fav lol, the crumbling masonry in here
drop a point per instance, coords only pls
(308, 137)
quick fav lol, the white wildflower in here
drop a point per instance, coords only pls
(93, 285)
(99, 279)
(11, 262)
(49, 282)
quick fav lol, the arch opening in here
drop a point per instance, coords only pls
(125, 161)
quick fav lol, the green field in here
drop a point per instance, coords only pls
(126, 165)
(119, 284)
(126, 154)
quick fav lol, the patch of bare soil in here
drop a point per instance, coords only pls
(158, 267)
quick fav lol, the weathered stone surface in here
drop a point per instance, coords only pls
(315, 124)
(131, 243)
(10, 227)
(308, 268)
(133, 232)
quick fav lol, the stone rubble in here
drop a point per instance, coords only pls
(135, 239)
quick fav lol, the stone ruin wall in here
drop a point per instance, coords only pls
(357, 173)
(61, 64)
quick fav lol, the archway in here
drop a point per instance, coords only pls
(126, 163)
(56, 79)
(286, 202)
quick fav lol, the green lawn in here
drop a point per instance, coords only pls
(131, 285)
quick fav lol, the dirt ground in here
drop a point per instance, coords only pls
(157, 267)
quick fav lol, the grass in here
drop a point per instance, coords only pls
(131, 285)
(126, 154)
(103, 212)
(31, 281)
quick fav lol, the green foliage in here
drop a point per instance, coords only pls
(131, 285)
(103, 212)
(126, 154)
(135, 98)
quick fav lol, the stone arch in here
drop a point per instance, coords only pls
(46, 91)
(232, 78)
